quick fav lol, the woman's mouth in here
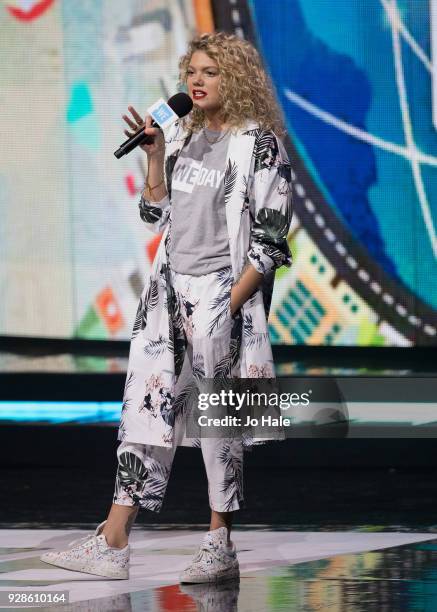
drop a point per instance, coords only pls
(198, 93)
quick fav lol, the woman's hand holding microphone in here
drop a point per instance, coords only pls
(155, 189)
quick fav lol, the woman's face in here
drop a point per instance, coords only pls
(203, 76)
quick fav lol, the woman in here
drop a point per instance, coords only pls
(219, 185)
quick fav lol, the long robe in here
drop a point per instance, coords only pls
(258, 204)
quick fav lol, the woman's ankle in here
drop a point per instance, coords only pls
(114, 541)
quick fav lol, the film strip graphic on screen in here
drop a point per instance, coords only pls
(359, 131)
(354, 81)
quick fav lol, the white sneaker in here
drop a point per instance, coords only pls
(214, 561)
(92, 555)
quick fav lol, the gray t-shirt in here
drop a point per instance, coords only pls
(199, 233)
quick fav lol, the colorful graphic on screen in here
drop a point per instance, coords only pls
(354, 83)
(354, 80)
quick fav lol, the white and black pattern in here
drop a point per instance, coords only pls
(131, 476)
(143, 473)
(258, 206)
(231, 458)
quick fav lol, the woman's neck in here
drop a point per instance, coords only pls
(215, 123)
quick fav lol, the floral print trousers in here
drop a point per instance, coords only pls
(143, 470)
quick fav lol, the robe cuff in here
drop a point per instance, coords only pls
(267, 257)
(151, 212)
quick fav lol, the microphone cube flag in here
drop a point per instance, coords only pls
(162, 113)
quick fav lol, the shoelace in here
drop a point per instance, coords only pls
(83, 539)
(94, 535)
(203, 554)
(205, 551)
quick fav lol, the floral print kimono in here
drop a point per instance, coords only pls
(258, 204)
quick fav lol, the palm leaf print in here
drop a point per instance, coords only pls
(230, 179)
(253, 338)
(221, 304)
(138, 318)
(233, 481)
(171, 342)
(270, 230)
(177, 339)
(180, 346)
(131, 469)
(154, 348)
(151, 299)
(234, 348)
(252, 299)
(155, 485)
(198, 366)
(244, 194)
(129, 382)
(131, 475)
(148, 213)
(165, 279)
(222, 369)
(177, 343)
(255, 132)
(224, 276)
(122, 432)
(167, 243)
(266, 150)
(181, 402)
(169, 165)
(173, 303)
(284, 171)
(235, 343)
(166, 406)
(126, 403)
(149, 303)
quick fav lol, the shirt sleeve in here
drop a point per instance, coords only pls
(272, 204)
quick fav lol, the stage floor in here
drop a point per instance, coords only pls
(369, 568)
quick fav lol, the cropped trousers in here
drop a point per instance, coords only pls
(143, 470)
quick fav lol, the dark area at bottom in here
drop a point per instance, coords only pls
(66, 474)
(274, 496)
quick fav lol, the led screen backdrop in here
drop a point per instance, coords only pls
(354, 79)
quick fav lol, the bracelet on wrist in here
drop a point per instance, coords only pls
(149, 186)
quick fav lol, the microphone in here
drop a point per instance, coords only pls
(163, 114)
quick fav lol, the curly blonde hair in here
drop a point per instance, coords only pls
(245, 90)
